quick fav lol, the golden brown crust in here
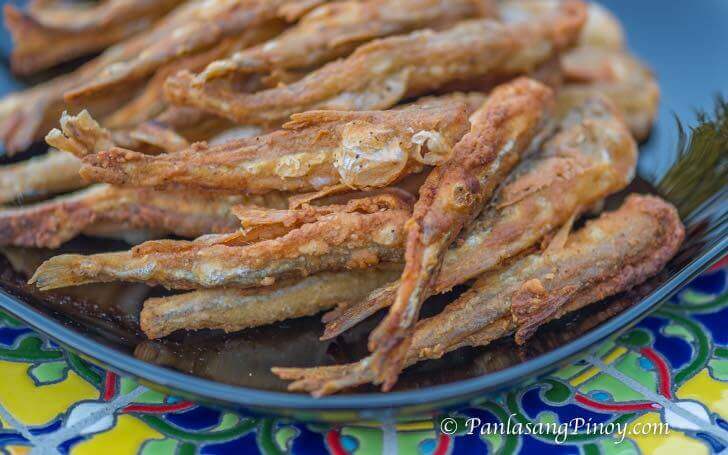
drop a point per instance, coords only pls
(192, 28)
(295, 10)
(609, 255)
(50, 223)
(174, 129)
(334, 30)
(44, 35)
(451, 197)
(115, 77)
(381, 73)
(150, 101)
(265, 223)
(237, 309)
(315, 150)
(80, 135)
(342, 240)
(26, 116)
(626, 81)
(602, 29)
(590, 157)
(52, 173)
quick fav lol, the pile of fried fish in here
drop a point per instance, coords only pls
(344, 157)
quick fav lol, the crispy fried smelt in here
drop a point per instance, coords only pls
(44, 35)
(79, 135)
(602, 29)
(237, 309)
(317, 149)
(52, 173)
(25, 116)
(195, 27)
(626, 81)
(112, 79)
(266, 223)
(150, 101)
(336, 29)
(501, 132)
(50, 223)
(591, 156)
(295, 10)
(609, 255)
(381, 73)
(339, 241)
(174, 129)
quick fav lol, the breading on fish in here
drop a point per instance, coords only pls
(345, 239)
(591, 156)
(501, 133)
(52, 173)
(622, 78)
(194, 27)
(26, 116)
(176, 128)
(150, 101)
(260, 223)
(334, 30)
(317, 149)
(47, 34)
(52, 222)
(115, 77)
(381, 73)
(236, 309)
(295, 10)
(602, 29)
(611, 254)
(80, 135)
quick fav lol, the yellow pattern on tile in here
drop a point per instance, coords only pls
(664, 444)
(593, 371)
(706, 390)
(18, 450)
(126, 437)
(33, 405)
(415, 426)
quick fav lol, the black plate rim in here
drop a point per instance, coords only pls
(285, 403)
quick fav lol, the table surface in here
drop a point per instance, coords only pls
(671, 368)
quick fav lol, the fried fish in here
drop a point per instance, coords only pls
(236, 309)
(609, 255)
(622, 78)
(591, 156)
(501, 132)
(50, 223)
(317, 149)
(381, 73)
(45, 33)
(334, 30)
(194, 27)
(42, 176)
(116, 77)
(353, 236)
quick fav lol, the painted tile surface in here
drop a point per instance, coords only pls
(672, 368)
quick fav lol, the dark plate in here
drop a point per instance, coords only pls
(686, 44)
